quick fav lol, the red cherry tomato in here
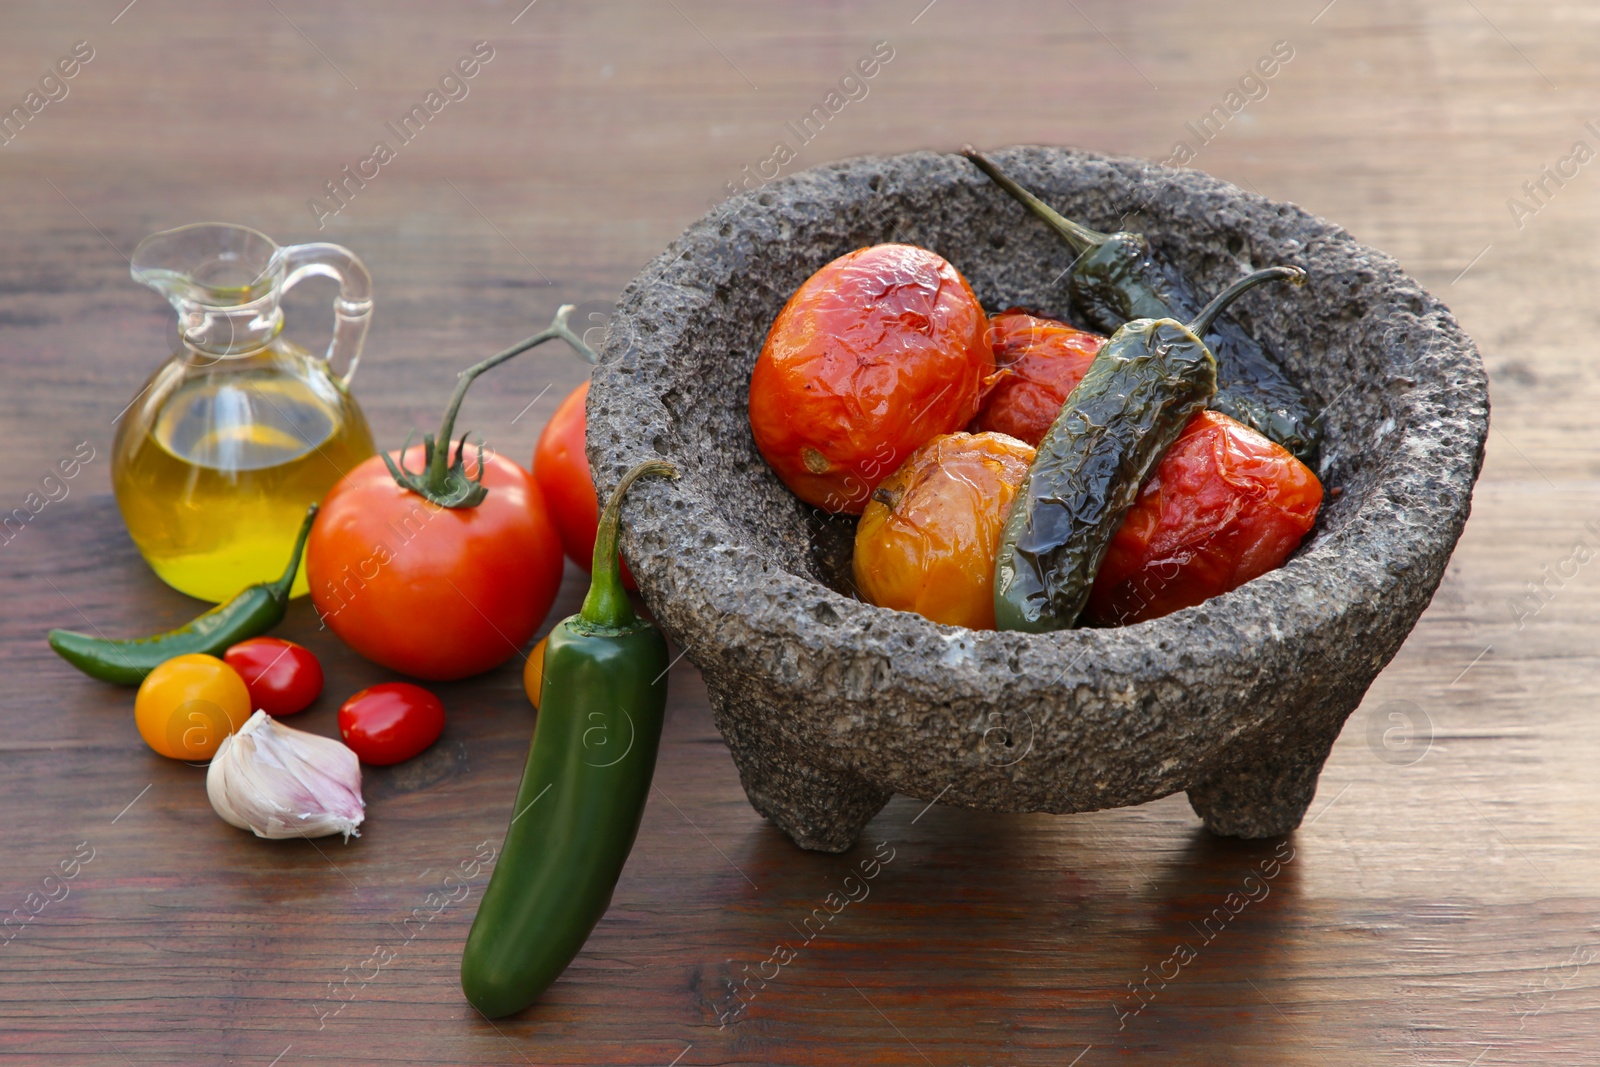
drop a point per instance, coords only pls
(1039, 362)
(283, 677)
(876, 354)
(437, 593)
(562, 470)
(390, 723)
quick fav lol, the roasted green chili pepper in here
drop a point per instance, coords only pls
(1116, 280)
(252, 612)
(593, 752)
(1136, 398)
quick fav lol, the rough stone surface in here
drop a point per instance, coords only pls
(829, 705)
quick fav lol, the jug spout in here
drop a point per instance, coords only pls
(226, 282)
(223, 280)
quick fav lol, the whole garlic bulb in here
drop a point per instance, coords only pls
(279, 782)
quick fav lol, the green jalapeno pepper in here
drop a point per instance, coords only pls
(583, 789)
(251, 613)
(1116, 280)
(1139, 393)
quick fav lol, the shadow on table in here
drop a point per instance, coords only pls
(1019, 939)
(1209, 972)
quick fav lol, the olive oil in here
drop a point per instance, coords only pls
(213, 486)
(218, 456)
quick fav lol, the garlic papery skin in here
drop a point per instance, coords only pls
(278, 782)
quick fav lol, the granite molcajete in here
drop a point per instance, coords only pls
(830, 705)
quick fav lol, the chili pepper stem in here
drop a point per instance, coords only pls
(607, 602)
(1208, 314)
(280, 588)
(444, 480)
(1082, 239)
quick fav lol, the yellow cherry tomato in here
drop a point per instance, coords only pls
(186, 706)
(533, 673)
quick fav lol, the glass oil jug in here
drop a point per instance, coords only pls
(217, 458)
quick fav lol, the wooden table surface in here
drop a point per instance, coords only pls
(1440, 904)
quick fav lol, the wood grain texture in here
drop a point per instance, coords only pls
(1435, 911)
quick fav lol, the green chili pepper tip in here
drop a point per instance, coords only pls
(280, 588)
(607, 602)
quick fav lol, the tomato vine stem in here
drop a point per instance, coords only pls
(444, 480)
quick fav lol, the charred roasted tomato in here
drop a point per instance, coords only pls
(1225, 505)
(877, 353)
(1038, 362)
(926, 541)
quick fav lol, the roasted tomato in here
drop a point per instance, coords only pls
(433, 592)
(1225, 505)
(561, 468)
(876, 354)
(927, 540)
(1038, 361)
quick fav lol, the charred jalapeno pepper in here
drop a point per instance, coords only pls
(594, 752)
(1116, 280)
(251, 613)
(1129, 408)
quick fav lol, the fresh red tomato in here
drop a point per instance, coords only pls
(562, 470)
(878, 353)
(1038, 363)
(434, 592)
(1224, 506)
(283, 677)
(391, 722)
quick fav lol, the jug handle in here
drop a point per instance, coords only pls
(352, 308)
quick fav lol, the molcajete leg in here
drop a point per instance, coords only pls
(1268, 793)
(820, 808)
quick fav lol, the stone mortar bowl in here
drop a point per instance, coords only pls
(830, 705)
